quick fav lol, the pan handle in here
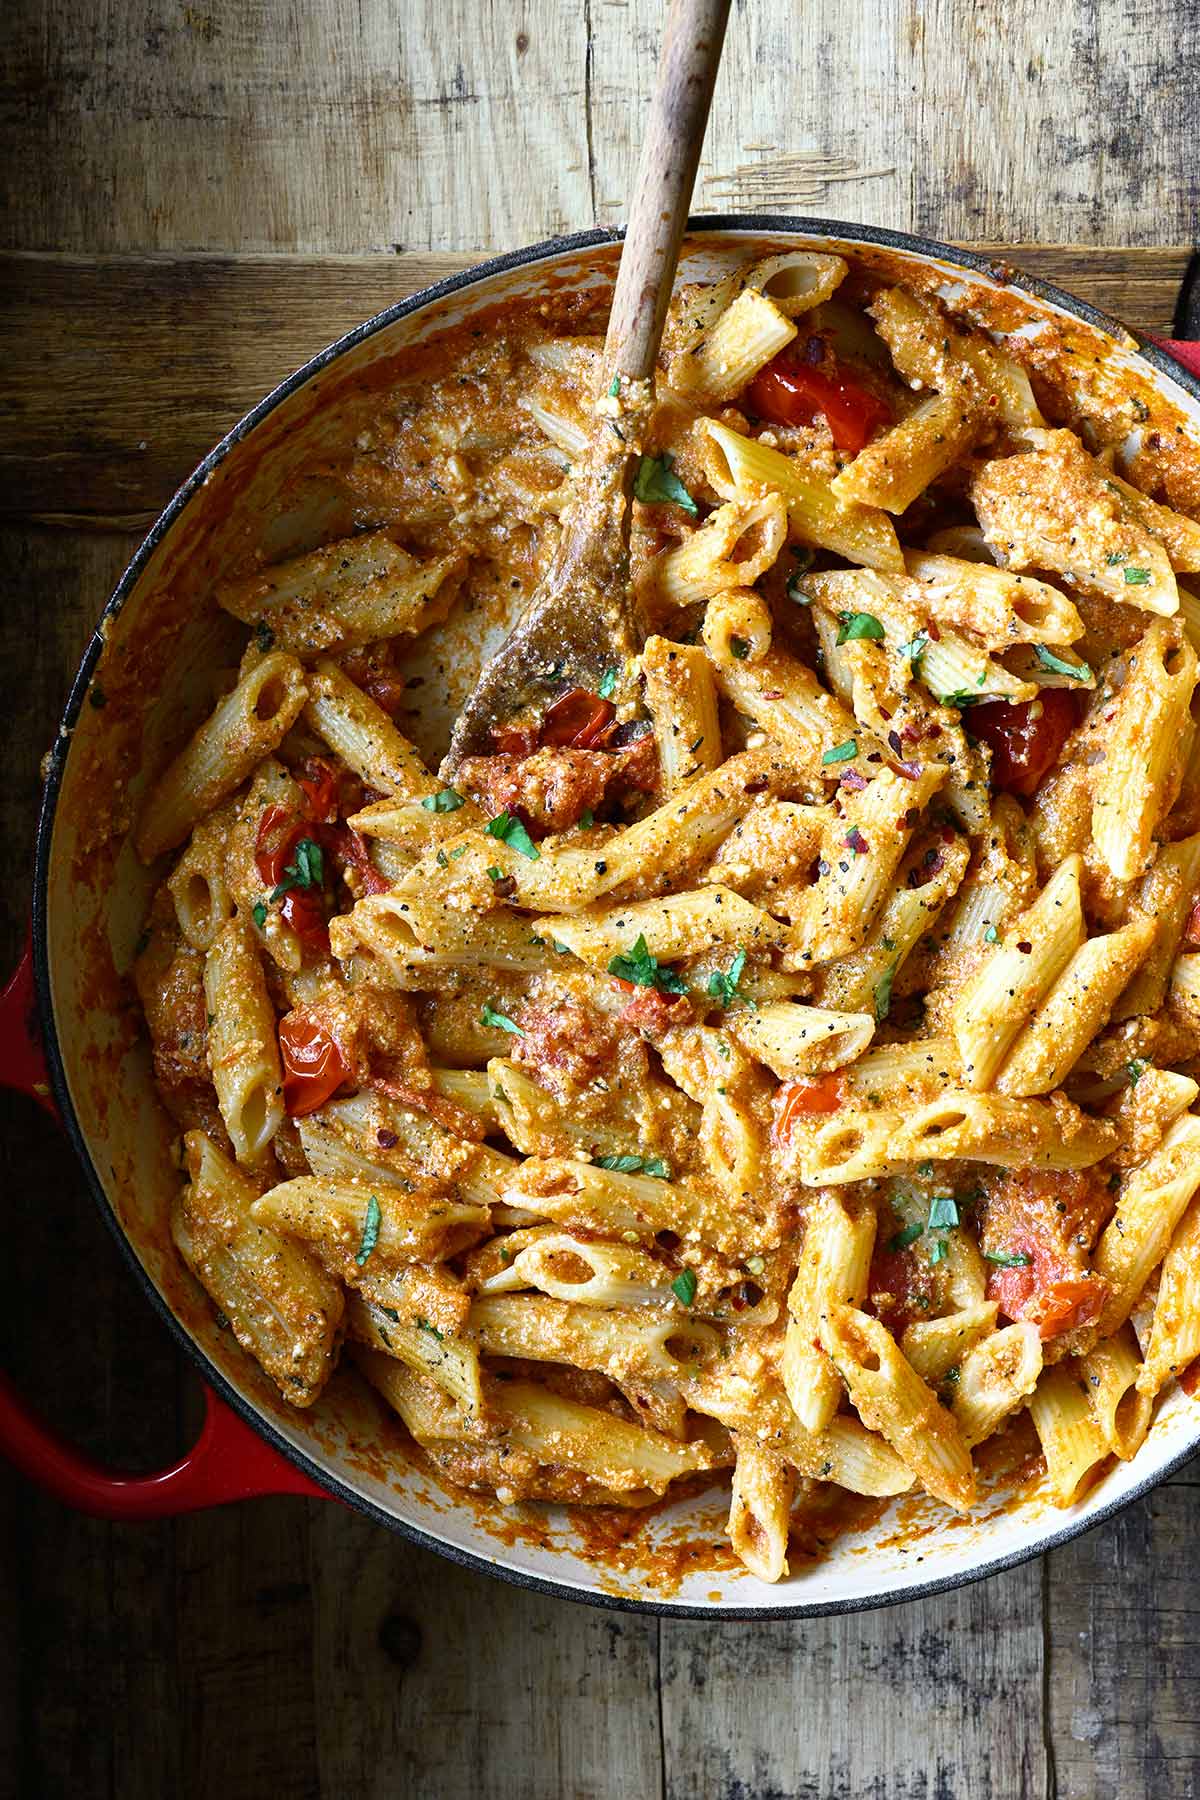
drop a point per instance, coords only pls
(228, 1461)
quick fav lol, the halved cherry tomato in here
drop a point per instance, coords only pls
(790, 391)
(318, 781)
(301, 910)
(800, 1099)
(279, 831)
(313, 1069)
(1025, 737)
(515, 740)
(577, 720)
(349, 850)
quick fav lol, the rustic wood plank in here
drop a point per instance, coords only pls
(1123, 1669)
(454, 1684)
(203, 338)
(939, 1698)
(472, 124)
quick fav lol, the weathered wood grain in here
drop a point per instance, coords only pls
(476, 123)
(458, 1685)
(940, 1698)
(117, 374)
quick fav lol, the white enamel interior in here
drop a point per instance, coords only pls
(114, 1100)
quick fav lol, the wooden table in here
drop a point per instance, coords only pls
(198, 197)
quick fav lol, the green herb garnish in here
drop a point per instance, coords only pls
(883, 992)
(635, 1165)
(306, 870)
(1135, 1070)
(841, 752)
(445, 800)
(608, 682)
(500, 1021)
(645, 970)
(424, 1325)
(509, 830)
(370, 1232)
(943, 1212)
(914, 651)
(1008, 1259)
(684, 1286)
(1048, 660)
(903, 1239)
(259, 914)
(723, 987)
(991, 935)
(264, 637)
(587, 819)
(852, 626)
(939, 1250)
(614, 387)
(1136, 577)
(657, 485)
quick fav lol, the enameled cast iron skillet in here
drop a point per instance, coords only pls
(68, 1039)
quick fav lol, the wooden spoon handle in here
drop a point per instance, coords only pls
(683, 88)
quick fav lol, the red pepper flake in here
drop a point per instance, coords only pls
(1025, 948)
(894, 743)
(932, 631)
(948, 834)
(854, 840)
(911, 771)
(853, 780)
(772, 693)
(387, 1140)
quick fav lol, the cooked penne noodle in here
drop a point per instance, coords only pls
(750, 331)
(347, 1220)
(246, 726)
(683, 705)
(1072, 1441)
(735, 545)
(898, 466)
(995, 1377)
(450, 1363)
(1150, 1203)
(679, 925)
(1120, 1405)
(243, 1052)
(802, 1040)
(858, 1146)
(360, 732)
(1174, 1337)
(759, 1505)
(1132, 790)
(935, 1346)
(833, 1269)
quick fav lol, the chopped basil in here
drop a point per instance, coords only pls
(841, 752)
(1076, 671)
(424, 1325)
(453, 855)
(883, 992)
(1118, 556)
(1008, 1259)
(608, 682)
(370, 1232)
(914, 651)
(501, 1021)
(740, 648)
(264, 637)
(723, 987)
(635, 1165)
(1135, 1070)
(587, 819)
(939, 1250)
(509, 830)
(991, 935)
(684, 1286)
(442, 860)
(943, 1212)
(614, 387)
(903, 1239)
(656, 485)
(644, 970)
(852, 626)
(306, 870)
(259, 915)
(1136, 577)
(925, 1170)
(495, 874)
(445, 800)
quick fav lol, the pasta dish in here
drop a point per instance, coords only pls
(779, 1059)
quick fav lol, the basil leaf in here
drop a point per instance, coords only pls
(608, 682)
(264, 637)
(939, 1250)
(370, 1232)
(943, 1212)
(841, 752)
(1136, 577)
(446, 800)
(259, 915)
(306, 870)
(656, 485)
(684, 1286)
(1008, 1259)
(509, 830)
(644, 970)
(498, 1020)
(624, 1165)
(424, 1325)
(903, 1239)
(740, 648)
(883, 993)
(723, 987)
(1048, 660)
(914, 651)
(858, 625)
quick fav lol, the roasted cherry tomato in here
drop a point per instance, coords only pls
(350, 851)
(790, 391)
(313, 1069)
(577, 720)
(1024, 737)
(653, 1011)
(279, 831)
(515, 740)
(301, 910)
(318, 781)
(799, 1099)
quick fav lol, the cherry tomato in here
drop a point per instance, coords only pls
(790, 391)
(279, 831)
(313, 1069)
(318, 781)
(515, 740)
(1189, 1381)
(577, 720)
(900, 1286)
(1024, 742)
(800, 1099)
(651, 1010)
(350, 851)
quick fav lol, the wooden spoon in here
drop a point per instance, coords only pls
(582, 619)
